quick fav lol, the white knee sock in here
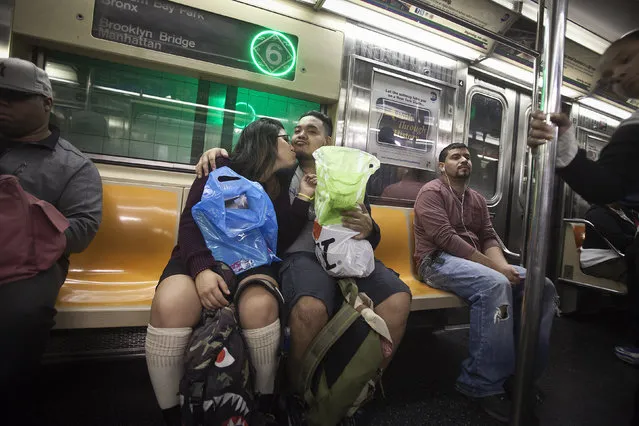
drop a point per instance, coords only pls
(263, 344)
(165, 361)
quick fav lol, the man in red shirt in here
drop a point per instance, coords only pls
(457, 250)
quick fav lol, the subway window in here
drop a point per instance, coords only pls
(484, 139)
(120, 110)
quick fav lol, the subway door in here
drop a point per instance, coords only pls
(490, 114)
(521, 163)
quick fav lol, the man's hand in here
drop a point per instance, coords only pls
(307, 186)
(359, 221)
(211, 288)
(207, 161)
(511, 273)
(540, 132)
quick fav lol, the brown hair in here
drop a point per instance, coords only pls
(256, 150)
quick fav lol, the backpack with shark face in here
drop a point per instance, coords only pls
(217, 388)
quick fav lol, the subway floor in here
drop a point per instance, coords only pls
(584, 385)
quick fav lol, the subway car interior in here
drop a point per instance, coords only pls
(144, 87)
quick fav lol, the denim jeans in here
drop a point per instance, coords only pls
(495, 311)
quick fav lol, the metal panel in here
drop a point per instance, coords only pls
(498, 205)
(362, 57)
(519, 177)
(593, 130)
(318, 65)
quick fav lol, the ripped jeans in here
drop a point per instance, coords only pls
(495, 311)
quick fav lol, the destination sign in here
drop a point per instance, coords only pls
(168, 27)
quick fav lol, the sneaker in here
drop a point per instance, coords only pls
(628, 354)
(496, 406)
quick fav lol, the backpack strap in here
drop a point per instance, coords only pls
(324, 340)
(364, 305)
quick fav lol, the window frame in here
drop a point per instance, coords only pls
(146, 162)
(488, 93)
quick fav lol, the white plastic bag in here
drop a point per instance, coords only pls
(340, 255)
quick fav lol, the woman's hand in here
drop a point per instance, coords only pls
(211, 289)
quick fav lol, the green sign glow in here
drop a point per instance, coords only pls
(273, 53)
(247, 117)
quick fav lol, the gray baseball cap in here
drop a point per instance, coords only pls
(23, 76)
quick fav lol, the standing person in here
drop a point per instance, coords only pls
(614, 175)
(53, 170)
(193, 279)
(308, 290)
(457, 250)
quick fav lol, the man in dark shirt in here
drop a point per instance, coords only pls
(614, 175)
(53, 170)
(457, 250)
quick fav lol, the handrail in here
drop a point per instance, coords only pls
(512, 254)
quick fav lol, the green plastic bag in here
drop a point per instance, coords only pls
(342, 174)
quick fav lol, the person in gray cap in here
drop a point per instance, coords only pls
(51, 169)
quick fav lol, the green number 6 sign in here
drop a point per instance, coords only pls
(273, 53)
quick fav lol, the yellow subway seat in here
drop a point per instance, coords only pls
(87, 296)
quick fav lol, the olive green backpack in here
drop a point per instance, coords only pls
(341, 367)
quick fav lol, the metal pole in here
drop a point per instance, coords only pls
(541, 208)
(532, 164)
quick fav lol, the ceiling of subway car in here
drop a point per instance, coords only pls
(610, 19)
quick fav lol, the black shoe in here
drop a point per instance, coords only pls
(295, 411)
(278, 410)
(496, 406)
(172, 416)
(538, 394)
(361, 417)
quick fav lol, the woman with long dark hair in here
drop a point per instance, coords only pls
(193, 279)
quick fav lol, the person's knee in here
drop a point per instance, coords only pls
(257, 308)
(308, 314)
(395, 309)
(497, 295)
(176, 303)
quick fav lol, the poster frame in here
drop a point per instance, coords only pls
(370, 144)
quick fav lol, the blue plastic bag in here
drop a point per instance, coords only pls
(237, 219)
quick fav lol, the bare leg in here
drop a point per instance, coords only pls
(394, 311)
(308, 317)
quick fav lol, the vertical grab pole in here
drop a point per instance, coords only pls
(532, 164)
(541, 208)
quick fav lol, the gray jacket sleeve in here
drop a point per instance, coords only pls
(81, 204)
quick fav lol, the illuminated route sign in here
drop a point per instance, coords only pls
(168, 27)
(273, 53)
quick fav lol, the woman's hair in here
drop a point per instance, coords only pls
(256, 149)
(602, 79)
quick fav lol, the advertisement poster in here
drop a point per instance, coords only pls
(403, 121)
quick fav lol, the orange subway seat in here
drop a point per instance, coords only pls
(122, 265)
